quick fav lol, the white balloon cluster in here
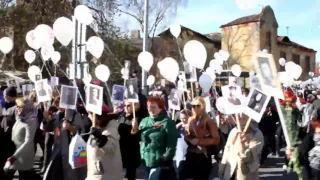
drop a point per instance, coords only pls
(292, 72)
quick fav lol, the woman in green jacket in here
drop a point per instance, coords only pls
(158, 140)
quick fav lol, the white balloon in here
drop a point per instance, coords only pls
(298, 71)
(219, 69)
(285, 79)
(236, 70)
(55, 57)
(205, 82)
(63, 30)
(32, 40)
(221, 105)
(265, 51)
(195, 53)
(95, 46)
(175, 30)
(145, 60)
(216, 55)
(214, 63)
(102, 72)
(151, 79)
(32, 72)
(282, 61)
(83, 14)
(224, 55)
(251, 73)
(311, 74)
(87, 79)
(6, 45)
(45, 34)
(289, 66)
(169, 69)
(29, 56)
(211, 72)
(46, 52)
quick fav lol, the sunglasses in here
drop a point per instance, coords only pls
(196, 106)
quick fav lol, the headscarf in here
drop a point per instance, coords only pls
(28, 112)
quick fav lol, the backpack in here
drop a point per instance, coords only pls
(215, 149)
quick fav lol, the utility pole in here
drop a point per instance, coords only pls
(287, 31)
(79, 66)
(144, 86)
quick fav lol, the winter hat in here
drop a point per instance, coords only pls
(10, 91)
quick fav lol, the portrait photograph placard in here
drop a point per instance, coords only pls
(126, 70)
(42, 90)
(182, 82)
(234, 99)
(174, 101)
(26, 90)
(131, 92)
(190, 72)
(14, 83)
(118, 94)
(256, 105)
(94, 97)
(54, 81)
(38, 77)
(69, 96)
(267, 73)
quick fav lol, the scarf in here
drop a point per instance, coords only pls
(29, 112)
(314, 153)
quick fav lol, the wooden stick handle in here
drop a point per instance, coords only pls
(247, 125)
(238, 123)
(93, 119)
(133, 110)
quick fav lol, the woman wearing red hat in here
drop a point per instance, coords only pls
(103, 149)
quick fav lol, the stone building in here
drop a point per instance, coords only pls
(247, 35)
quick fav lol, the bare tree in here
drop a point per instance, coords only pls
(159, 11)
(238, 42)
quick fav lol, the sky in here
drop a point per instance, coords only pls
(206, 16)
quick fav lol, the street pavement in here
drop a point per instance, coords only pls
(271, 170)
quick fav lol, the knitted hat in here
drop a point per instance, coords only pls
(10, 91)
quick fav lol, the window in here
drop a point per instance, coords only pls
(283, 55)
(307, 64)
(268, 41)
(296, 58)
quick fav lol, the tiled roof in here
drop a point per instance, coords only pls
(243, 20)
(284, 40)
(215, 36)
(247, 19)
(183, 28)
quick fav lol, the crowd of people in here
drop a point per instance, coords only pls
(181, 145)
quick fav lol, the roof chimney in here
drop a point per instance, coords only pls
(135, 34)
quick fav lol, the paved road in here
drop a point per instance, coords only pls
(271, 170)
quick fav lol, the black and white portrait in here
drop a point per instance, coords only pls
(131, 92)
(257, 102)
(174, 101)
(190, 72)
(266, 71)
(26, 90)
(182, 82)
(233, 96)
(42, 90)
(54, 81)
(94, 96)
(268, 76)
(68, 98)
(118, 94)
(38, 77)
(12, 83)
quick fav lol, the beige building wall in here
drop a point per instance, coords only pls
(241, 41)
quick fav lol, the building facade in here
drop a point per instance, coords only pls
(247, 35)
